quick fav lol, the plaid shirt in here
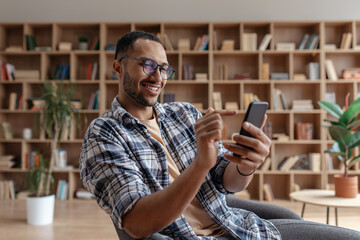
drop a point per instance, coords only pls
(121, 162)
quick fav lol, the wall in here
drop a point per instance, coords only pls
(176, 10)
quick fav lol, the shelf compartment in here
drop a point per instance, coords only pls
(84, 64)
(199, 63)
(6, 90)
(237, 65)
(314, 119)
(12, 148)
(18, 123)
(274, 180)
(68, 32)
(52, 61)
(176, 31)
(226, 31)
(72, 152)
(11, 35)
(153, 28)
(229, 93)
(194, 93)
(340, 88)
(279, 62)
(299, 90)
(293, 32)
(283, 150)
(262, 90)
(42, 32)
(308, 180)
(301, 60)
(23, 61)
(334, 30)
(343, 60)
(261, 29)
(113, 32)
(279, 123)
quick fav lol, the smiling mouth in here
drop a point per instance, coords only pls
(151, 87)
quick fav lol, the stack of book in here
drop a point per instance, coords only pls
(27, 75)
(351, 73)
(7, 161)
(302, 105)
(330, 70)
(227, 45)
(279, 76)
(304, 131)
(285, 46)
(15, 100)
(188, 71)
(251, 97)
(345, 42)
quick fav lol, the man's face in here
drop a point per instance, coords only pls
(137, 88)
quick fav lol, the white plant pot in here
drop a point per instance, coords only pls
(40, 210)
(83, 46)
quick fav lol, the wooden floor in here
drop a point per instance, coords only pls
(84, 220)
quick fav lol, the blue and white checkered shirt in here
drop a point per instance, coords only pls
(121, 162)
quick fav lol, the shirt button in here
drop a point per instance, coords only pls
(165, 173)
(145, 130)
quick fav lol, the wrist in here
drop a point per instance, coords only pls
(245, 174)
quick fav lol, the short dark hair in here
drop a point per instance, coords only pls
(126, 42)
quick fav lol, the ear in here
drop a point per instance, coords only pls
(117, 67)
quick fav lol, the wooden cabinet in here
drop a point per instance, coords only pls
(235, 73)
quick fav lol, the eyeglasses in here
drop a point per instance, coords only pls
(150, 67)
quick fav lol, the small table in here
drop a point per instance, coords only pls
(324, 198)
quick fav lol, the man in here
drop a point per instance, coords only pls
(159, 170)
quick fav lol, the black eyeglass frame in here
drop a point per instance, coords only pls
(157, 66)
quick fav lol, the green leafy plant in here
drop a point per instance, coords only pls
(83, 39)
(344, 131)
(35, 181)
(57, 111)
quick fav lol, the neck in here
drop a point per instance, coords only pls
(140, 112)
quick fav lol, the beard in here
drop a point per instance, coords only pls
(130, 86)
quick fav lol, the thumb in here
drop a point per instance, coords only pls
(209, 110)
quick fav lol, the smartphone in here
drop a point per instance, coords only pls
(255, 114)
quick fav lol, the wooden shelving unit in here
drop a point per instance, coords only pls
(238, 61)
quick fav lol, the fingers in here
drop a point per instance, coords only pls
(264, 121)
(256, 132)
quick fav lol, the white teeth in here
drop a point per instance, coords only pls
(152, 88)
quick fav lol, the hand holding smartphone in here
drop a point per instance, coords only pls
(255, 114)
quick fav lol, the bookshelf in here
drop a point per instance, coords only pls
(224, 69)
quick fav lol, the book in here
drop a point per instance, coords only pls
(65, 46)
(279, 76)
(303, 41)
(95, 44)
(217, 102)
(249, 41)
(268, 193)
(265, 42)
(315, 162)
(266, 165)
(27, 74)
(231, 106)
(168, 45)
(65, 72)
(265, 71)
(348, 39)
(288, 163)
(330, 70)
(330, 97)
(351, 73)
(12, 100)
(30, 42)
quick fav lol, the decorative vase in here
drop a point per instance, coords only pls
(346, 187)
(40, 210)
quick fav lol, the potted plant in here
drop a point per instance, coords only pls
(344, 131)
(53, 117)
